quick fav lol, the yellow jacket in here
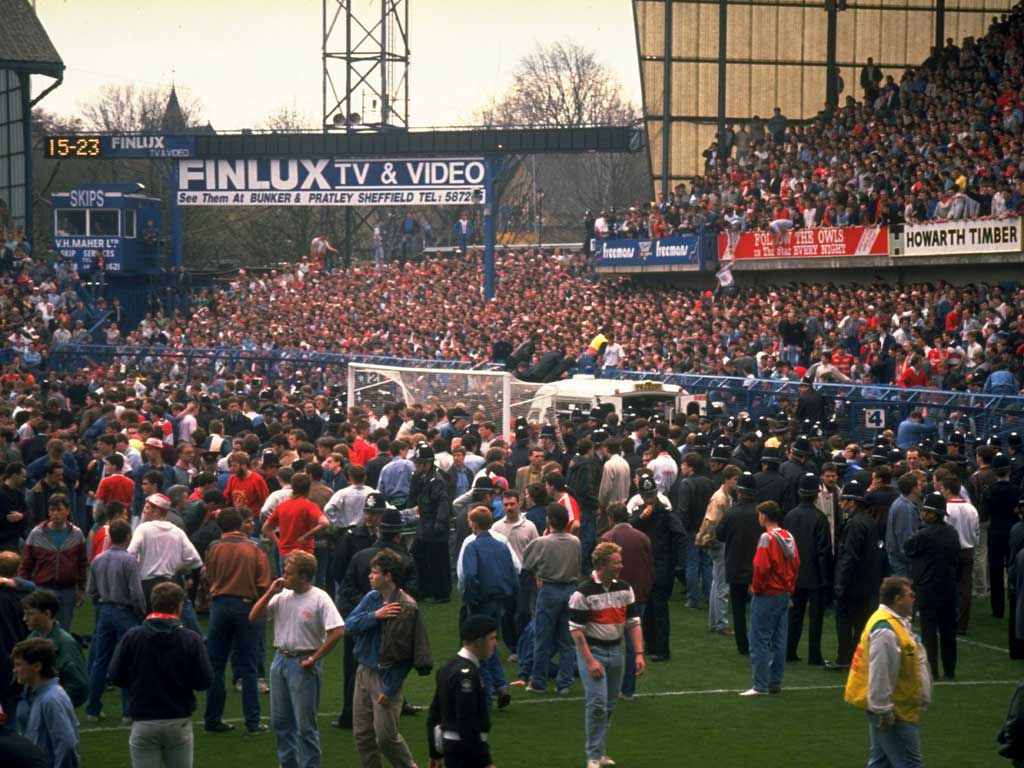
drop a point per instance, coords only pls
(889, 672)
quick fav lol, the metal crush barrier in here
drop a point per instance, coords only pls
(862, 409)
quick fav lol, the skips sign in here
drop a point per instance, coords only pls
(327, 181)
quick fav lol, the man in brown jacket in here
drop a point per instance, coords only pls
(237, 572)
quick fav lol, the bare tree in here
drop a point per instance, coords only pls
(128, 109)
(564, 85)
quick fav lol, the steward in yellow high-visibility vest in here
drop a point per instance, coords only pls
(890, 678)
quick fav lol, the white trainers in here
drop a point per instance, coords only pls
(605, 760)
(754, 692)
(593, 764)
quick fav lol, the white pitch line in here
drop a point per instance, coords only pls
(656, 694)
(981, 645)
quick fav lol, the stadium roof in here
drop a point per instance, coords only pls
(24, 44)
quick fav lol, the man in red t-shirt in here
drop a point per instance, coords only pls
(295, 521)
(245, 488)
(362, 452)
(115, 486)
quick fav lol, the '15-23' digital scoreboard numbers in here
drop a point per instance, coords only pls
(72, 146)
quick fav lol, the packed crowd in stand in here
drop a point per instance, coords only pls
(935, 142)
(547, 315)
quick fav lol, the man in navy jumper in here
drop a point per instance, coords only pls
(489, 582)
(162, 664)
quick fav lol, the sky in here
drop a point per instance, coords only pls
(245, 61)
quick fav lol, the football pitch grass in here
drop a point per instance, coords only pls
(686, 712)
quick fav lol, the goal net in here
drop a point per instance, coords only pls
(375, 387)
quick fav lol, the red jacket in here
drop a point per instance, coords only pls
(776, 563)
(47, 566)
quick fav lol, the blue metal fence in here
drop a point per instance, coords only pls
(863, 410)
(230, 361)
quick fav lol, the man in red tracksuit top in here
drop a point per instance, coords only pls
(776, 564)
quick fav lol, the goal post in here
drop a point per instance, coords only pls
(375, 387)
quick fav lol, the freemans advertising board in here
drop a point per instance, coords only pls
(329, 181)
(959, 237)
(679, 250)
(820, 242)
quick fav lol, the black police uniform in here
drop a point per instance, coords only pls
(858, 576)
(668, 550)
(740, 531)
(429, 491)
(459, 710)
(933, 551)
(809, 527)
(771, 486)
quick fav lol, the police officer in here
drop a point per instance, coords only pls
(771, 486)
(428, 491)
(858, 572)
(809, 527)
(740, 531)
(459, 722)
(933, 551)
(791, 470)
(668, 548)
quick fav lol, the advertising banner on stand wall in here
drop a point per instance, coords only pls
(330, 181)
(681, 250)
(821, 242)
(949, 238)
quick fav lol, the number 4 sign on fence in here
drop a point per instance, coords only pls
(874, 418)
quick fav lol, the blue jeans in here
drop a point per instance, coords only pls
(629, 670)
(718, 601)
(112, 622)
(294, 704)
(551, 629)
(698, 575)
(230, 629)
(491, 671)
(899, 565)
(897, 747)
(65, 604)
(601, 695)
(791, 353)
(769, 628)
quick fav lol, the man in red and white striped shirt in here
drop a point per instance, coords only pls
(601, 610)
